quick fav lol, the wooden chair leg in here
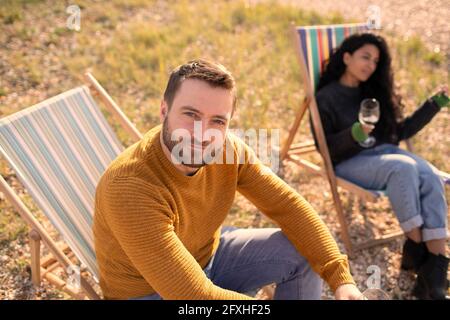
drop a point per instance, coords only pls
(62, 285)
(41, 234)
(379, 241)
(35, 247)
(345, 233)
(294, 128)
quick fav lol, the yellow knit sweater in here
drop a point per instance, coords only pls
(155, 229)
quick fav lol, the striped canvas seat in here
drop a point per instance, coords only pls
(318, 42)
(59, 148)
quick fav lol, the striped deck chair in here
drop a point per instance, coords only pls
(314, 45)
(59, 149)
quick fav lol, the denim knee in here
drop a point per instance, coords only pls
(430, 183)
(405, 167)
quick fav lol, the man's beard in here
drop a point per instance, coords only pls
(195, 153)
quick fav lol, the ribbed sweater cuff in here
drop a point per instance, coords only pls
(340, 276)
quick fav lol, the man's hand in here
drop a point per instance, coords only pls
(348, 292)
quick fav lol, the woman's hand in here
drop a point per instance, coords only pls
(360, 131)
(442, 89)
(367, 128)
(441, 96)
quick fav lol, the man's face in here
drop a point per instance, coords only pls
(199, 115)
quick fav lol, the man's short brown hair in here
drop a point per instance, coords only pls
(211, 72)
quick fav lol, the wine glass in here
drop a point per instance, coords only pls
(369, 113)
(375, 294)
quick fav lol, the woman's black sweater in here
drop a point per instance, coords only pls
(339, 107)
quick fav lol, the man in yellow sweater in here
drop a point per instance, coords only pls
(158, 215)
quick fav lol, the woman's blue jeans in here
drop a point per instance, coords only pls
(416, 192)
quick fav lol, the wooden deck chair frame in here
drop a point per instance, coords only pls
(61, 256)
(292, 152)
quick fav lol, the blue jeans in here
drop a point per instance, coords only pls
(248, 259)
(416, 192)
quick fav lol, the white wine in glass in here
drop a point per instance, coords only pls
(369, 113)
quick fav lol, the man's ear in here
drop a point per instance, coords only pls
(163, 110)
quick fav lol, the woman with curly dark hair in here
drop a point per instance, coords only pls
(361, 69)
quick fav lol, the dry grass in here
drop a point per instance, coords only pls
(132, 46)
